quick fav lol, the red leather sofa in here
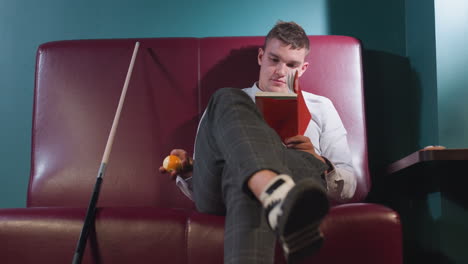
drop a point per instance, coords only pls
(142, 217)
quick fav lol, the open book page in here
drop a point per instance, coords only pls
(276, 95)
(291, 80)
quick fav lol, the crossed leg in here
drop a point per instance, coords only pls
(233, 145)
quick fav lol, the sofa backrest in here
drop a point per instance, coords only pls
(78, 85)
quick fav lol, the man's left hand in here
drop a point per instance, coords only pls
(302, 143)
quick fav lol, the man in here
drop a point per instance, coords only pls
(269, 189)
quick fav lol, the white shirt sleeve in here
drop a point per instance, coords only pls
(185, 186)
(328, 135)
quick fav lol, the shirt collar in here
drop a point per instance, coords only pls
(255, 88)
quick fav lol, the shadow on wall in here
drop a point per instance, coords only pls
(237, 70)
(379, 24)
(392, 90)
(392, 96)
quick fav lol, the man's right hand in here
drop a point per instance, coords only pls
(187, 165)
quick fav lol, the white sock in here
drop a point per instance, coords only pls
(273, 195)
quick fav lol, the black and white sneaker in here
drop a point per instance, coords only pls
(294, 212)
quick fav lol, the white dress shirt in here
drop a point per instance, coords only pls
(328, 135)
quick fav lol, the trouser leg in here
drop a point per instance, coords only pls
(247, 237)
(233, 142)
(232, 132)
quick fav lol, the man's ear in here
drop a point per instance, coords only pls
(260, 56)
(303, 68)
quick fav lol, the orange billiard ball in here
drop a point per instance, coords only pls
(172, 163)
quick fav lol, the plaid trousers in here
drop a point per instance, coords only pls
(233, 142)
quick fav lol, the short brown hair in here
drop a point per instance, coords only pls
(290, 33)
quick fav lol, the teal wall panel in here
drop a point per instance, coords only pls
(421, 51)
(25, 24)
(380, 25)
(451, 20)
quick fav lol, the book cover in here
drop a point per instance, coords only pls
(279, 112)
(286, 113)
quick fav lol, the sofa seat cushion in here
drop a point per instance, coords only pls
(155, 235)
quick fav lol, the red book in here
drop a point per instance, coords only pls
(286, 113)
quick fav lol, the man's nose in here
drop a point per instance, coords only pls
(281, 69)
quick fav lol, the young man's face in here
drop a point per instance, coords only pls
(276, 62)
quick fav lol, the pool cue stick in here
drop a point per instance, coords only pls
(90, 214)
